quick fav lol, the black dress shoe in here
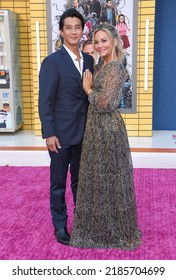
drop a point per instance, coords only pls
(62, 235)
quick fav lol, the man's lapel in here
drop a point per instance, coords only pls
(70, 63)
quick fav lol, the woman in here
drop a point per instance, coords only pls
(123, 29)
(105, 215)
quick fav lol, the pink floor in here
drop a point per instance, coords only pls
(26, 231)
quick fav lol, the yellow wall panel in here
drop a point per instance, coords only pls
(37, 130)
(145, 103)
(131, 121)
(145, 122)
(27, 110)
(131, 116)
(132, 127)
(150, 84)
(146, 4)
(145, 127)
(151, 24)
(145, 133)
(145, 109)
(141, 91)
(144, 16)
(144, 96)
(20, 4)
(22, 10)
(132, 133)
(145, 115)
(37, 122)
(25, 71)
(141, 71)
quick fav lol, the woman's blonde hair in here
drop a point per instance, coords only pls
(114, 36)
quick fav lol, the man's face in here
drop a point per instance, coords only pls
(89, 49)
(108, 4)
(72, 31)
(75, 4)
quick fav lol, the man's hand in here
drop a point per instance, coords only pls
(52, 144)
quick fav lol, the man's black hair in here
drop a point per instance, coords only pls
(70, 13)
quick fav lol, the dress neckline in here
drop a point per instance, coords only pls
(101, 67)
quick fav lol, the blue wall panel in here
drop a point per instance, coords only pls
(164, 89)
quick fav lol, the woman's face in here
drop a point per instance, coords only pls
(104, 45)
(121, 18)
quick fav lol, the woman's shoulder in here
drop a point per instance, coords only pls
(115, 68)
(115, 64)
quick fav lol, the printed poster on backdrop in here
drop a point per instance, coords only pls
(123, 14)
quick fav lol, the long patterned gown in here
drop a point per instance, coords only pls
(105, 215)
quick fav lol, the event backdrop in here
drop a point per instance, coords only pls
(93, 16)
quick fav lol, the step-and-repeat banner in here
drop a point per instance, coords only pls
(122, 14)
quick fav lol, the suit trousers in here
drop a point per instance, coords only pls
(59, 166)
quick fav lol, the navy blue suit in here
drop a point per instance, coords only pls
(63, 108)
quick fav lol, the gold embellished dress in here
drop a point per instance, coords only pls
(105, 214)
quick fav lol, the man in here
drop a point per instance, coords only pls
(93, 6)
(78, 7)
(88, 47)
(108, 13)
(62, 108)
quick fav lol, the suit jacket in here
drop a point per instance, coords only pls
(104, 16)
(63, 103)
(93, 7)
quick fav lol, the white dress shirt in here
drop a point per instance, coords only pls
(79, 65)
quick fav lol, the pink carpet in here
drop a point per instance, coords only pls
(26, 231)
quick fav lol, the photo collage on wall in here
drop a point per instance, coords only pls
(119, 13)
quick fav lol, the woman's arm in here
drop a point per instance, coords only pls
(107, 98)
